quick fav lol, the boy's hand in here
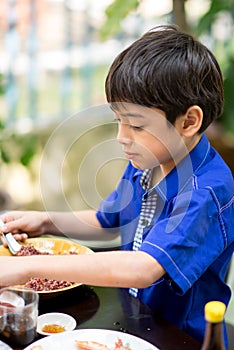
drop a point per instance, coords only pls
(22, 224)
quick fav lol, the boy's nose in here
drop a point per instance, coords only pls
(124, 134)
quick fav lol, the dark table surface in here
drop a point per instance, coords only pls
(115, 309)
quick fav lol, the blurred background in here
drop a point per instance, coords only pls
(54, 57)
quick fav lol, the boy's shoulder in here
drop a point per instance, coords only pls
(214, 169)
(214, 175)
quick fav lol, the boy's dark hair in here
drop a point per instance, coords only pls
(169, 70)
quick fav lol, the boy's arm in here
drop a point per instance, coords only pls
(116, 269)
(81, 224)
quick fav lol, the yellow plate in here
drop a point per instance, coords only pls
(53, 246)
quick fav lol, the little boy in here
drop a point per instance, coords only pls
(174, 204)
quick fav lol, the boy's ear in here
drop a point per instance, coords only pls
(191, 121)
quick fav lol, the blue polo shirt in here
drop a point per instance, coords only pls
(191, 235)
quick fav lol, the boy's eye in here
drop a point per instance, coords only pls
(136, 127)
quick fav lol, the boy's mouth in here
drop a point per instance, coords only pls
(130, 155)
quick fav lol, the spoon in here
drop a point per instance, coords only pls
(13, 245)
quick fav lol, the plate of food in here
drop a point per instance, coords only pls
(44, 246)
(91, 339)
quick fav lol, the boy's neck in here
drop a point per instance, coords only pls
(162, 171)
(157, 176)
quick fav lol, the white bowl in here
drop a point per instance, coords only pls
(4, 346)
(64, 320)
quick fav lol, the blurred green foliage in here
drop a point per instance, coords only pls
(15, 147)
(19, 148)
(224, 50)
(1, 84)
(216, 7)
(115, 13)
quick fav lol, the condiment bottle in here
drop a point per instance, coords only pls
(214, 315)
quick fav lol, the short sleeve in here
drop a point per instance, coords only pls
(187, 241)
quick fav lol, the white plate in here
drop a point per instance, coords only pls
(64, 320)
(4, 346)
(106, 337)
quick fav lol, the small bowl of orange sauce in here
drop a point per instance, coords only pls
(55, 322)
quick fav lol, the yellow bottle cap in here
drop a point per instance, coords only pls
(214, 311)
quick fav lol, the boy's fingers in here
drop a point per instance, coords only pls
(18, 237)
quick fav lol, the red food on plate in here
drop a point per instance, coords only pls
(92, 345)
(42, 284)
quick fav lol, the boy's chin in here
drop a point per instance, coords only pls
(143, 166)
(137, 166)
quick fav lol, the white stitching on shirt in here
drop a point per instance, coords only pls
(219, 213)
(227, 205)
(195, 184)
(208, 150)
(162, 194)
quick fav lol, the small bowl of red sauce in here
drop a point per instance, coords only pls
(55, 322)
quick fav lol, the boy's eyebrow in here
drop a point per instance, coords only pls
(129, 114)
